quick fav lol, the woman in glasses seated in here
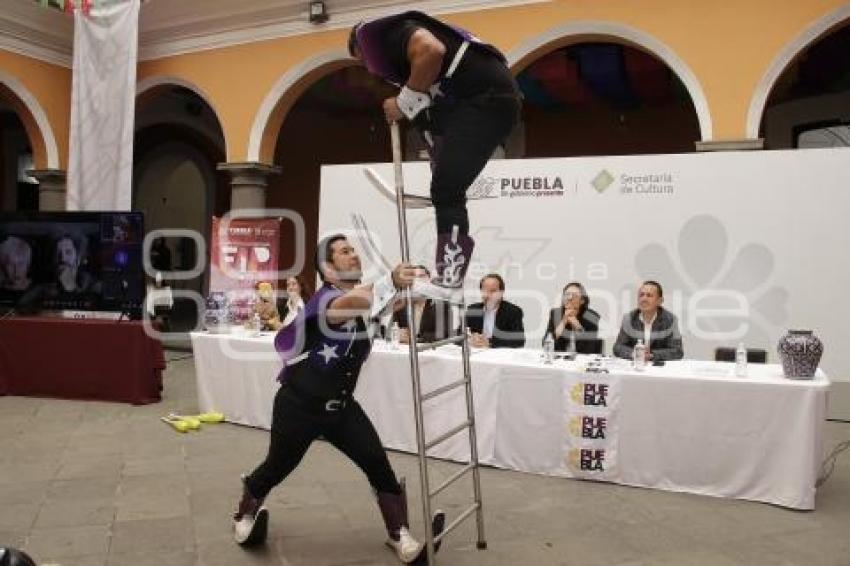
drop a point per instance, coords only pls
(574, 322)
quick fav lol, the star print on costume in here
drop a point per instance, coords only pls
(329, 352)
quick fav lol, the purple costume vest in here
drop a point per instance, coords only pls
(328, 350)
(370, 43)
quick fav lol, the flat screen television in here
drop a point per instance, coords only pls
(71, 261)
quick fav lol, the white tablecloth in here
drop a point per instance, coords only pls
(688, 426)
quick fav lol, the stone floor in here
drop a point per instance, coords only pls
(90, 484)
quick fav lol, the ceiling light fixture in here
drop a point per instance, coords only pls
(318, 13)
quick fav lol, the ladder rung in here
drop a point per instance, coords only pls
(417, 201)
(454, 524)
(457, 475)
(410, 200)
(451, 301)
(438, 343)
(448, 434)
(444, 389)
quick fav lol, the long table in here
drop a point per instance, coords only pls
(80, 359)
(688, 426)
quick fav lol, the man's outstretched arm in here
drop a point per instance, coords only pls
(360, 300)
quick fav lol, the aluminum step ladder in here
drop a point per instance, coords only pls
(419, 398)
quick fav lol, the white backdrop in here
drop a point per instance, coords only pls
(103, 105)
(746, 244)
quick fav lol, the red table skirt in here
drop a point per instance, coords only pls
(100, 360)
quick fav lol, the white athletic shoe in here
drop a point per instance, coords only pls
(251, 520)
(406, 547)
(251, 530)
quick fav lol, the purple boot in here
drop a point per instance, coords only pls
(453, 256)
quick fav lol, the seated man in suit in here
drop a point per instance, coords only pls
(650, 322)
(433, 318)
(494, 322)
(573, 319)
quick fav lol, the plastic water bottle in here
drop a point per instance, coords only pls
(257, 324)
(395, 337)
(741, 361)
(639, 356)
(548, 349)
(571, 346)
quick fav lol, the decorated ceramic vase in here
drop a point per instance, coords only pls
(800, 352)
(217, 315)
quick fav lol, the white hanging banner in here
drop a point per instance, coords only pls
(103, 99)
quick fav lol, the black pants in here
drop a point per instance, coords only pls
(467, 134)
(296, 423)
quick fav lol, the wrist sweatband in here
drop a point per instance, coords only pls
(411, 102)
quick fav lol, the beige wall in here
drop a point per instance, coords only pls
(237, 79)
(50, 87)
(727, 45)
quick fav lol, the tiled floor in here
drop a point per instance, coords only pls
(90, 484)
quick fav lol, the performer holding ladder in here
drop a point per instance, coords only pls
(323, 350)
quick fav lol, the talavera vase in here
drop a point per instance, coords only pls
(800, 352)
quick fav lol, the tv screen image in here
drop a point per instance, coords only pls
(72, 260)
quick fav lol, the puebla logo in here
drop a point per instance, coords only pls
(587, 459)
(531, 186)
(590, 394)
(589, 427)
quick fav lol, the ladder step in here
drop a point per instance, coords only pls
(444, 389)
(445, 436)
(454, 524)
(432, 345)
(456, 476)
(458, 302)
(417, 201)
(410, 200)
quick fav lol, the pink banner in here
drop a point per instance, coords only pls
(243, 252)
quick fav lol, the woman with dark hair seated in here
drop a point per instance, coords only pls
(574, 319)
(293, 300)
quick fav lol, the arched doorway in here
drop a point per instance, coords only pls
(27, 142)
(603, 98)
(178, 144)
(17, 190)
(809, 104)
(336, 119)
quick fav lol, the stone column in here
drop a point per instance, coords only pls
(51, 188)
(248, 183)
